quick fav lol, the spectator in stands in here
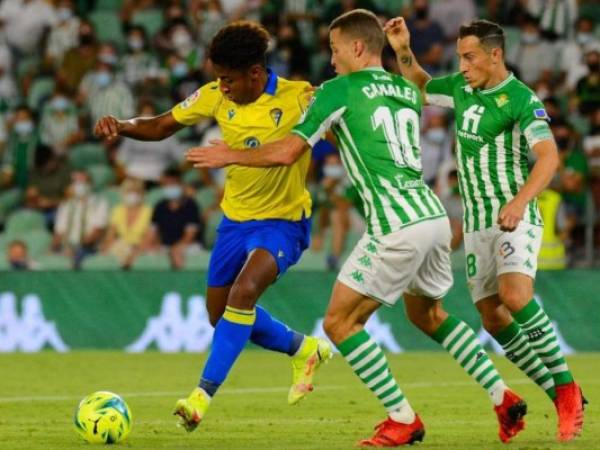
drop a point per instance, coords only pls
(60, 124)
(556, 17)
(147, 161)
(17, 256)
(48, 183)
(183, 80)
(19, 154)
(176, 222)
(138, 64)
(591, 146)
(65, 32)
(436, 144)
(288, 59)
(572, 177)
(588, 87)
(453, 206)
(102, 92)
(534, 56)
(129, 223)
(8, 87)
(81, 220)
(26, 24)
(572, 61)
(210, 18)
(427, 37)
(79, 60)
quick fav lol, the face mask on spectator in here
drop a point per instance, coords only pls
(103, 79)
(132, 198)
(108, 58)
(335, 171)
(583, 38)
(64, 14)
(180, 70)
(59, 104)
(530, 37)
(436, 135)
(80, 189)
(135, 43)
(172, 192)
(23, 127)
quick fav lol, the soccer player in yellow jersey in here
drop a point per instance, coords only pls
(267, 210)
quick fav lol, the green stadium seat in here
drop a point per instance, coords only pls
(27, 66)
(112, 196)
(191, 176)
(311, 261)
(513, 36)
(197, 261)
(38, 242)
(152, 262)
(108, 27)
(53, 262)
(151, 19)
(102, 176)
(82, 156)
(108, 5)
(4, 264)
(40, 90)
(23, 221)
(9, 200)
(210, 232)
(153, 196)
(205, 198)
(100, 262)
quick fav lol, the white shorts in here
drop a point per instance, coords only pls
(493, 252)
(415, 260)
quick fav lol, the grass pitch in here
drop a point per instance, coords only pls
(39, 392)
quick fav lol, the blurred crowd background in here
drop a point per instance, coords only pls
(69, 201)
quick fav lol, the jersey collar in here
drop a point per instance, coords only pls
(271, 86)
(500, 85)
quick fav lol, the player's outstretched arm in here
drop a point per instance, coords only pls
(154, 128)
(543, 170)
(283, 152)
(399, 38)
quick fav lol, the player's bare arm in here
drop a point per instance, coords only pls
(399, 38)
(141, 128)
(541, 175)
(283, 152)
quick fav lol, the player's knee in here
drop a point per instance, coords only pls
(495, 320)
(513, 297)
(214, 318)
(243, 295)
(427, 320)
(335, 328)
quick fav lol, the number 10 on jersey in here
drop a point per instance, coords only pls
(401, 132)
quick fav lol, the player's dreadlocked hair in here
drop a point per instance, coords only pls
(490, 34)
(239, 45)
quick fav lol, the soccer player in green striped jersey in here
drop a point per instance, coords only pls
(498, 120)
(374, 116)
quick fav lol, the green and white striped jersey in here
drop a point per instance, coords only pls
(495, 128)
(374, 116)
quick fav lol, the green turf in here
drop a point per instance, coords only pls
(39, 392)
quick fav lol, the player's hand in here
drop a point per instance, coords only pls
(108, 127)
(217, 155)
(511, 214)
(397, 33)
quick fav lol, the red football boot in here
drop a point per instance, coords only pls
(569, 404)
(393, 434)
(510, 415)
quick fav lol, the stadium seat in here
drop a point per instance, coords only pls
(210, 233)
(112, 196)
(82, 156)
(108, 5)
(100, 262)
(9, 201)
(152, 262)
(25, 220)
(27, 65)
(513, 36)
(38, 242)
(311, 261)
(153, 196)
(108, 27)
(40, 91)
(197, 261)
(205, 198)
(151, 19)
(53, 262)
(191, 176)
(101, 175)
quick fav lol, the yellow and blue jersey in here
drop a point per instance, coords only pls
(256, 193)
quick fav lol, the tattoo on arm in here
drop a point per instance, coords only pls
(406, 60)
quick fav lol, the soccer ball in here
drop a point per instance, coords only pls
(103, 418)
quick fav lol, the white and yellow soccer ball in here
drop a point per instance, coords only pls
(103, 418)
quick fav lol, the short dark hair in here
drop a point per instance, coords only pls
(490, 34)
(240, 45)
(361, 24)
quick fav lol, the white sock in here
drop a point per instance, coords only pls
(403, 414)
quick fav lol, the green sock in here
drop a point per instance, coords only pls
(461, 342)
(370, 364)
(536, 324)
(520, 352)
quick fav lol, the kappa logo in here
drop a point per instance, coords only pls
(276, 114)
